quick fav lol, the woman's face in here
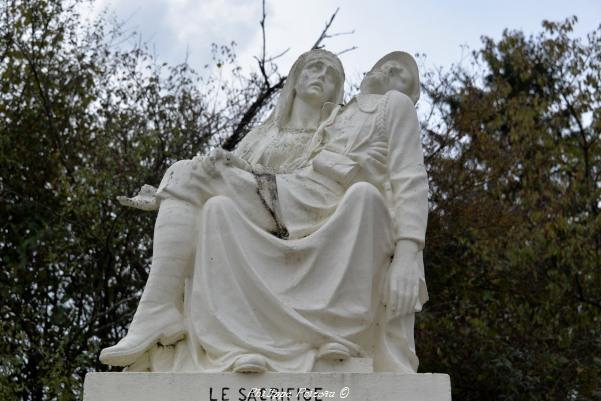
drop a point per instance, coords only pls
(318, 82)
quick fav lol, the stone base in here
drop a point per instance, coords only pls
(349, 365)
(277, 387)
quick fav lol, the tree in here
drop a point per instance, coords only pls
(74, 113)
(514, 239)
(82, 121)
(513, 247)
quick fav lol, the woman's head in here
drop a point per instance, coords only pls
(317, 76)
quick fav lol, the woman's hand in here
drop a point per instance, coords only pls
(228, 159)
(402, 287)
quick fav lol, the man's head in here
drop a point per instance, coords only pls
(395, 71)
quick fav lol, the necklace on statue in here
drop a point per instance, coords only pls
(298, 130)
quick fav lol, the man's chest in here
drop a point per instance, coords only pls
(353, 129)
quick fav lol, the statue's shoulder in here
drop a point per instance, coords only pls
(398, 100)
(252, 146)
(368, 103)
(397, 109)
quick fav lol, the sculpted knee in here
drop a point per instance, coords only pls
(218, 204)
(180, 168)
(364, 190)
(176, 175)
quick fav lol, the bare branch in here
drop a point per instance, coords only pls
(263, 32)
(324, 33)
(261, 61)
(333, 35)
(271, 59)
(350, 49)
(267, 91)
(244, 125)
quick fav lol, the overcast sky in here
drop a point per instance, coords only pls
(439, 29)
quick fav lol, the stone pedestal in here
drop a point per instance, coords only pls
(266, 387)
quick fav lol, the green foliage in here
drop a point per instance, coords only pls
(82, 121)
(514, 237)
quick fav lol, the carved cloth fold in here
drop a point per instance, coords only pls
(252, 292)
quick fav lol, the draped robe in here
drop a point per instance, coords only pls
(359, 187)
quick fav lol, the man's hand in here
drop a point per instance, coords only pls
(401, 292)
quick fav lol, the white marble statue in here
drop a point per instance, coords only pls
(303, 244)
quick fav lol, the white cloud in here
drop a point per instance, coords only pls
(434, 27)
(197, 21)
(179, 27)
